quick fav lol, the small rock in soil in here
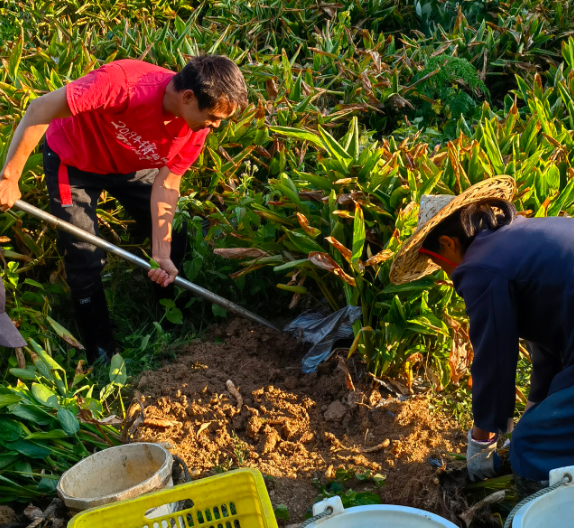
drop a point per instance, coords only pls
(335, 412)
(291, 382)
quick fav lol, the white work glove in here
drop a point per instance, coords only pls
(482, 460)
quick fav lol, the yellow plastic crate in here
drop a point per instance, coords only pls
(237, 499)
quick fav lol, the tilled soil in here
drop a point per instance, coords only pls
(294, 427)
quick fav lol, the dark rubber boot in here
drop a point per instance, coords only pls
(91, 311)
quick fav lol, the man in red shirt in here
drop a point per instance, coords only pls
(133, 129)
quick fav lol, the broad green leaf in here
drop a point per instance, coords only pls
(421, 284)
(428, 186)
(300, 134)
(218, 311)
(32, 413)
(47, 366)
(8, 399)
(55, 434)
(281, 512)
(427, 324)
(118, 374)
(562, 200)
(302, 242)
(10, 430)
(553, 178)
(27, 448)
(64, 334)
(292, 264)
(317, 181)
(47, 485)
(16, 56)
(287, 73)
(8, 458)
(492, 149)
(32, 282)
(333, 146)
(174, 316)
(45, 396)
(29, 373)
(68, 421)
(358, 234)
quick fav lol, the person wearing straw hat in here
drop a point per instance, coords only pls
(516, 276)
(9, 335)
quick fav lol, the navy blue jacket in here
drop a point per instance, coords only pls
(518, 282)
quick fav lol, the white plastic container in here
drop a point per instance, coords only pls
(376, 516)
(116, 474)
(555, 509)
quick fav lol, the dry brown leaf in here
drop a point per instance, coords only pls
(367, 86)
(402, 388)
(260, 112)
(314, 196)
(415, 358)
(342, 366)
(346, 253)
(460, 352)
(271, 87)
(304, 223)
(324, 261)
(381, 256)
(376, 60)
(344, 181)
(441, 50)
(239, 253)
(520, 396)
(343, 214)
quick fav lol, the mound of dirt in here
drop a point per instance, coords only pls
(293, 427)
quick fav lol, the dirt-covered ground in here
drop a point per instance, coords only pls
(294, 427)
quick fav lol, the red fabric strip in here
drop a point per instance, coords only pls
(437, 256)
(64, 186)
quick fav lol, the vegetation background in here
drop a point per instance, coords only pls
(357, 109)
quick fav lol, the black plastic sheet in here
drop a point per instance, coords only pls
(322, 331)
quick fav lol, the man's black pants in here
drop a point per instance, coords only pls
(83, 261)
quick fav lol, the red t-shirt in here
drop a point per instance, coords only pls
(117, 124)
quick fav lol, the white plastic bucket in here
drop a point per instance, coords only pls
(376, 516)
(116, 474)
(555, 509)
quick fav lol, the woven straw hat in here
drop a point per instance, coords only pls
(411, 265)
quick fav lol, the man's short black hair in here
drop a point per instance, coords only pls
(214, 79)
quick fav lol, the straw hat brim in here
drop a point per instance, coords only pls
(409, 264)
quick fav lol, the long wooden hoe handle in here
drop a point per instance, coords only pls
(140, 263)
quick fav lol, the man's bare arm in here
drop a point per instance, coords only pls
(40, 114)
(164, 195)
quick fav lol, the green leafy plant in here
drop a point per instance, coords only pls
(48, 424)
(349, 498)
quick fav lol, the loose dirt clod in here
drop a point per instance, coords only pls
(7, 515)
(292, 427)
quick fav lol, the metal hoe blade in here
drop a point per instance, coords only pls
(140, 263)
